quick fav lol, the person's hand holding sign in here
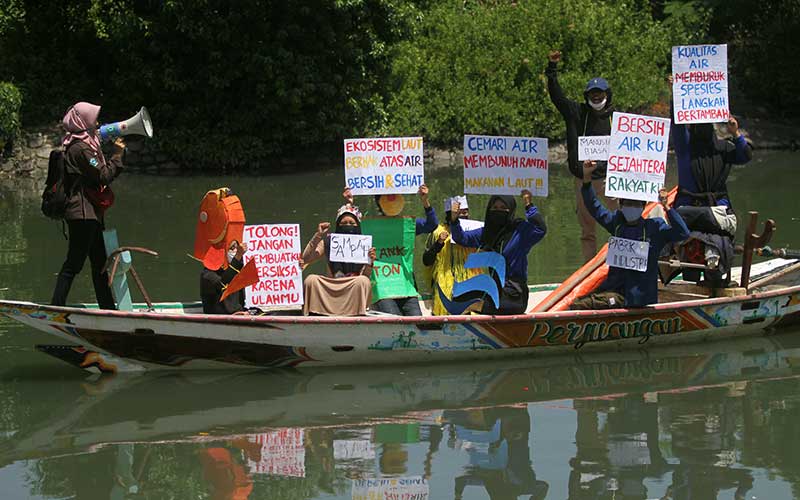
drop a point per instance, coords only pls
(423, 195)
(526, 197)
(588, 168)
(663, 198)
(373, 254)
(347, 195)
(733, 127)
(554, 56)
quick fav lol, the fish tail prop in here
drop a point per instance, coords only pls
(247, 276)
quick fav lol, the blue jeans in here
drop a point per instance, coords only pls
(404, 306)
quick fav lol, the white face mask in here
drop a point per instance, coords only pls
(231, 255)
(599, 105)
(632, 214)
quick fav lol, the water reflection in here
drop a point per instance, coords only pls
(690, 423)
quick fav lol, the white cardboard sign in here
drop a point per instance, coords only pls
(391, 165)
(505, 165)
(283, 453)
(276, 250)
(700, 83)
(593, 147)
(627, 254)
(637, 156)
(351, 248)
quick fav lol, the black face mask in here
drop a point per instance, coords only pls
(496, 221)
(348, 229)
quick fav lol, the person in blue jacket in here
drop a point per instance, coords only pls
(510, 237)
(391, 206)
(629, 287)
(704, 161)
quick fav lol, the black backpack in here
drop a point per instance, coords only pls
(56, 187)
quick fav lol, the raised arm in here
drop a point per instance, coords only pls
(534, 227)
(567, 107)
(429, 223)
(740, 152)
(676, 230)
(315, 249)
(603, 216)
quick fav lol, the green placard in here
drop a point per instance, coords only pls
(393, 270)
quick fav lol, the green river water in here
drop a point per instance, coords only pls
(705, 422)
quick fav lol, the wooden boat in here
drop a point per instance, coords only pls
(88, 415)
(178, 336)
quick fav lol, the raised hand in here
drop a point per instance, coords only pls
(323, 228)
(588, 168)
(554, 56)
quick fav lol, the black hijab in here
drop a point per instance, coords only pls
(498, 226)
(339, 269)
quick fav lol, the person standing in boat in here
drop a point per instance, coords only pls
(443, 259)
(214, 282)
(592, 117)
(630, 287)
(391, 205)
(89, 176)
(346, 290)
(510, 237)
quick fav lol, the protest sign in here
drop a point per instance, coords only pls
(282, 453)
(637, 156)
(700, 83)
(383, 166)
(400, 488)
(392, 271)
(353, 449)
(505, 165)
(627, 254)
(352, 248)
(593, 147)
(275, 248)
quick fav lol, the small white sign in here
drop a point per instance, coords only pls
(350, 248)
(627, 254)
(351, 449)
(468, 225)
(593, 147)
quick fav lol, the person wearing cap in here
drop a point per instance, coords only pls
(346, 290)
(630, 287)
(391, 205)
(443, 259)
(592, 117)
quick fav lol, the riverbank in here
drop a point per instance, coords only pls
(31, 151)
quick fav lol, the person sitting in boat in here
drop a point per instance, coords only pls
(510, 237)
(443, 259)
(217, 244)
(626, 287)
(214, 282)
(390, 205)
(346, 290)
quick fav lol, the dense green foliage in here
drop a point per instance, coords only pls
(478, 68)
(762, 44)
(234, 84)
(10, 104)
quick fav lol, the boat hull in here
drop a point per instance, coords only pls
(117, 341)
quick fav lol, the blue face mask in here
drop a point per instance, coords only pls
(632, 214)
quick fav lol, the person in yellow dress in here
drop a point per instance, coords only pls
(443, 259)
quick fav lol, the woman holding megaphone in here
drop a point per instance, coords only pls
(89, 175)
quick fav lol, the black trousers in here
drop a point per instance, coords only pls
(85, 240)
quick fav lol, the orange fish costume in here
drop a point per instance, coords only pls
(220, 223)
